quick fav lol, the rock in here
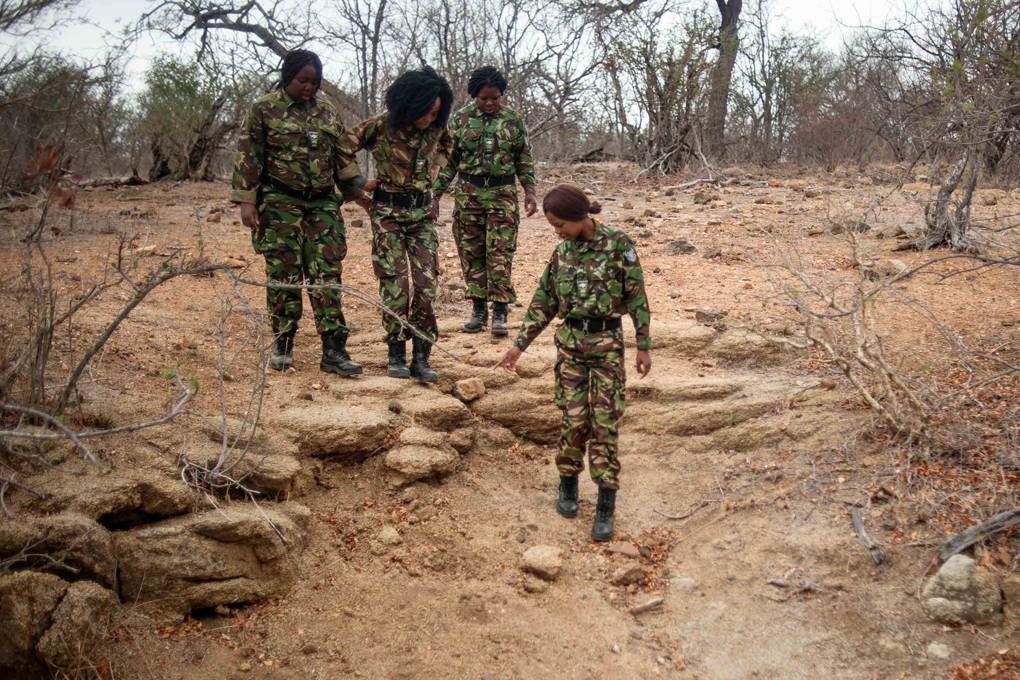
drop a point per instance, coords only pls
(390, 536)
(437, 411)
(989, 199)
(708, 317)
(812, 192)
(712, 253)
(742, 345)
(937, 650)
(680, 246)
(70, 538)
(27, 600)
(336, 430)
(625, 549)
(270, 474)
(544, 561)
(469, 389)
(767, 200)
(529, 414)
(705, 196)
(962, 592)
(646, 606)
(463, 439)
(649, 212)
(535, 585)
(415, 462)
(627, 205)
(627, 574)
(231, 555)
(80, 622)
(117, 499)
(684, 583)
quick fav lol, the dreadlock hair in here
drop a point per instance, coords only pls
(294, 62)
(486, 76)
(411, 95)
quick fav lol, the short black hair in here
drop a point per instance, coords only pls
(486, 76)
(411, 95)
(294, 62)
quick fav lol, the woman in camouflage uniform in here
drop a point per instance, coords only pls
(289, 158)
(490, 153)
(593, 278)
(410, 144)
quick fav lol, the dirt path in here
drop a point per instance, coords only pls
(757, 448)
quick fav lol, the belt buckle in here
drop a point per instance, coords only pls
(585, 326)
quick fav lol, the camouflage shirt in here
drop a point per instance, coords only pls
(406, 160)
(495, 145)
(298, 144)
(600, 278)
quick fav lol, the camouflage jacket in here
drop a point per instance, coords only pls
(600, 278)
(298, 144)
(406, 160)
(495, 145)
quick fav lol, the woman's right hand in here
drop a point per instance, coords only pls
(509, 360)
(250, 217)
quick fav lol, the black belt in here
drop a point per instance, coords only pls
(488, 180)
(408, 200)
(316, 195)
(590, 325)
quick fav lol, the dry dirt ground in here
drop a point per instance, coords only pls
(760, 448)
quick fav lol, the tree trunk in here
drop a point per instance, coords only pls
(722, 74)
(160, 168)
(947, 221)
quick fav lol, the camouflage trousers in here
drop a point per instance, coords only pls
(303, 242)
(590, 380)
(405, 260)
(485, 221)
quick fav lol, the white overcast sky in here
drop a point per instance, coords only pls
(828, 20)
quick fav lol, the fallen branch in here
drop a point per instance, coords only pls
(978, 532)
(690, 513)
(877, 554)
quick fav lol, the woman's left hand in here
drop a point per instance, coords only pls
(643, 362)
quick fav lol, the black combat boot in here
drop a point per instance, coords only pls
(282, 357)
(420, 369)
(479, 316)
(499, 312)
(602, 529)
(566, 505)
(335, 358)
(397, 366)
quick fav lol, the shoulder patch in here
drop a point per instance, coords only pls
(630, 255)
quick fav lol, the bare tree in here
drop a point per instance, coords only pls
(722, 74)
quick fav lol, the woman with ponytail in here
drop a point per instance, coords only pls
(593, 278)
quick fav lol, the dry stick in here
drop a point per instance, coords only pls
(877, 554)
(969, 537)
(697, 506)
(344, 288)
(65, 431)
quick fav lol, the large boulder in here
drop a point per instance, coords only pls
(238, 553)
(27, 599)
(79, 623)
(56, 542)
(530, 414)
(436, 411)
(336, 430)
(116, 499)
(962, 592)
(413, 462)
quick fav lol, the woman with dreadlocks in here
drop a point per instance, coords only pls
(409, 143)
(289, 157)
(490, 154)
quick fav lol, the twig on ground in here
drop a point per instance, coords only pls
(877, 554)
(978, 532)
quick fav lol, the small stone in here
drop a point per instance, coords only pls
(937, 650)
(684, 583)
(390, 536)
(626, 575)
(625, 549)
(962, 592)
(309, 648)
(712, 253)
(812, 192)
(680, 247)
(244, 666)
(615, 649)
(627, 205)
(647, 605)
(469, 389)
(649, 213)
(394, 406)
(544, 561)
(535, 585)
(705, 196)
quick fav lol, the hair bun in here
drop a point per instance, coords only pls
(594, 208)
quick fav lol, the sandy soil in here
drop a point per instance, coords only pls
(763, 577)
